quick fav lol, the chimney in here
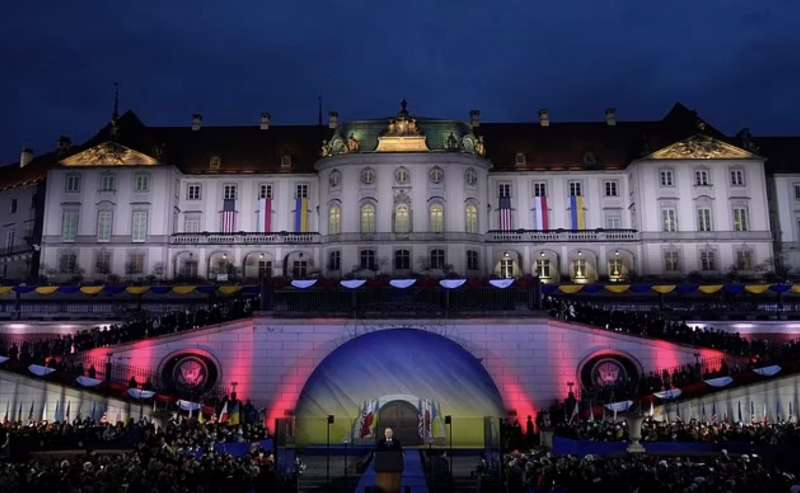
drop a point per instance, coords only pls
(611, 117)
(544, 117)
(64, 143)
(197, 121)
(333, 119)
(266, 121)
(475, 118)
(25, 157)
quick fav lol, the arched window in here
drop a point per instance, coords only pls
(471, 218)
(506, 268)
(367, 218)
(402, 218)
(334, 220)
(437, 218)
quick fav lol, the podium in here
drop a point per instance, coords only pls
(388, 470)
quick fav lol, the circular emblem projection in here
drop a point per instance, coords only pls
(606, 370)
(189, 374)
(406, 379)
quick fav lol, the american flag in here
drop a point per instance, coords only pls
(228, 215)
(505, 213)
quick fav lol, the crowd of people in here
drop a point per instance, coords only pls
(51, 350)
(710, 430)
(177, 457)
(540, 472)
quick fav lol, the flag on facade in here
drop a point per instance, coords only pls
(577, 209)
(505, 214)
(301, 215)
(264, 215)
(540, 217)
(228, 215)
(200, 418)
(235, 414)
(223, 414)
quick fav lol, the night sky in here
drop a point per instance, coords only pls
(737, 62)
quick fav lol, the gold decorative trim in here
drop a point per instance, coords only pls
(109, 154)
(702, 147)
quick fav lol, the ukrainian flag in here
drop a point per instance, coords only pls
(301, 215)
(577, 208)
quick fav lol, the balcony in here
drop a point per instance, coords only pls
(281, 238)
(561, 235)
(388, 237)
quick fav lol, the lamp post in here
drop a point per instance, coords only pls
(328, 451)
(448, 420)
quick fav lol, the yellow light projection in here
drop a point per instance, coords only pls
(109, 154)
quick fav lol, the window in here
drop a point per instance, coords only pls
(436, 175)
(543, 268)
(611, 188)
(704, 219)
(299, 269)
(334, 220)
(265, 190)
(671, 261)
(141, 183)
(701, 178)
(367, 176)
(665, 178)
(504, 190)
(367, 260)
(264, 269)
(102, 262)
(68, 263)
(744, 259)
(740, 219)
(139, 226)
(402, 260)
(472, 260)
(471, 218)
(506, 268)
(707, 262)
(402, 219)
(669, 220)
(69, 225)
(335, 179)
(10, 240)
(471, 177)
(73, 183)
(229, 191)
(519, 159)
(401, 175)
(335, 260)
(191, 223)
(737, 177)
(797, 191)
(107, 183)
(613, 221)
(301, 191)
(135, 265)
(194, 191)
(540, 189)
(367, 218)
(437, 218)
(104, 221)
(13, 206)
(437, 258)
(286, 161)
(575, 189)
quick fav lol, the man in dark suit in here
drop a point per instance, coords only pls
(388, 442)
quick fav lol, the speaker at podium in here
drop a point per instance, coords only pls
(388, 463)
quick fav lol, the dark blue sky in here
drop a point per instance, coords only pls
(737, 61)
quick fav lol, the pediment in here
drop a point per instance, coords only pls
(701, 147)
(109, 154)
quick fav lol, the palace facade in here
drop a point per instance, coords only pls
(404, 196)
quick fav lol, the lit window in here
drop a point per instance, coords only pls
(579, 269)
(506, 268)
(367, 218)
(543, 268)
(402, 219)
(334, 220)
(104, 219)
(615, 269)
(437, 218)
(471, 213)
